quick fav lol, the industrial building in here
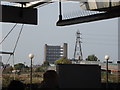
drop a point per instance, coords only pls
(52, 53)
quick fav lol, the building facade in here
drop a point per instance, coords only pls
(52, 53)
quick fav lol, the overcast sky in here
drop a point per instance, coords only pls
(99, 38)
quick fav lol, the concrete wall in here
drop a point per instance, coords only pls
(65, 50)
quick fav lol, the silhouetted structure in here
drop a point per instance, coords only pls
(79, 76)
(50, 80)
(16, 85)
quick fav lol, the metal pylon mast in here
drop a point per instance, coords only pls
(78, 49)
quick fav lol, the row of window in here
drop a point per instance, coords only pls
(52, 59)
(53, 47)
(48, 55)
(53, 56)
(54, 52)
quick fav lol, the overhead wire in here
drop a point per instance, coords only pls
(18, 39)
(14, 47)
(4, 40)
(8, 34)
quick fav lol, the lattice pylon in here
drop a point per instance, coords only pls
(78, 49)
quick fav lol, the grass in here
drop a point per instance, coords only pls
(25, 78)
(113, 78)
(38, 77)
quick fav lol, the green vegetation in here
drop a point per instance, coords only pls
(38, 71)
(92, 58)
(25, 78)
(6, 80)
(113, 78)
(63, 60)
(23, 74)
(8, 69)
(19, 66)
(46, 63)
(43, 67)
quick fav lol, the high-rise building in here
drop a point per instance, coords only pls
(52, 53)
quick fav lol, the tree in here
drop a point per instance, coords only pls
(63, 60)
(46, 63)
(92, 58)
(26, 69)
(19, 66)
(40, 69)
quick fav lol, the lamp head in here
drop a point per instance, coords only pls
(31, 56)
(107, 57)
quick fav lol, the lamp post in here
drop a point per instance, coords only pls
(60, 11)
(31, 56)
(107, 58)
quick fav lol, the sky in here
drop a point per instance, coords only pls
(99, 37)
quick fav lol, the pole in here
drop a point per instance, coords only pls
(60, 10)
(107, 74)
(31, 76)
(110, 3)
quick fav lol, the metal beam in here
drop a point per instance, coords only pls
(90, 18)
(1, 52)
(39, 4)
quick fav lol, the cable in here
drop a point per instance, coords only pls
(14, 47)
(7, 62)
(8, 34)
(18, 39)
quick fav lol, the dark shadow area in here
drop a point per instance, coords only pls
(50, 80)
(16, 85)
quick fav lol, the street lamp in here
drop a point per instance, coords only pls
(107, 58)
(31, 56)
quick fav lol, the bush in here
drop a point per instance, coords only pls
(63, 60)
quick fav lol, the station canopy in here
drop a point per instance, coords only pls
(85, 4)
